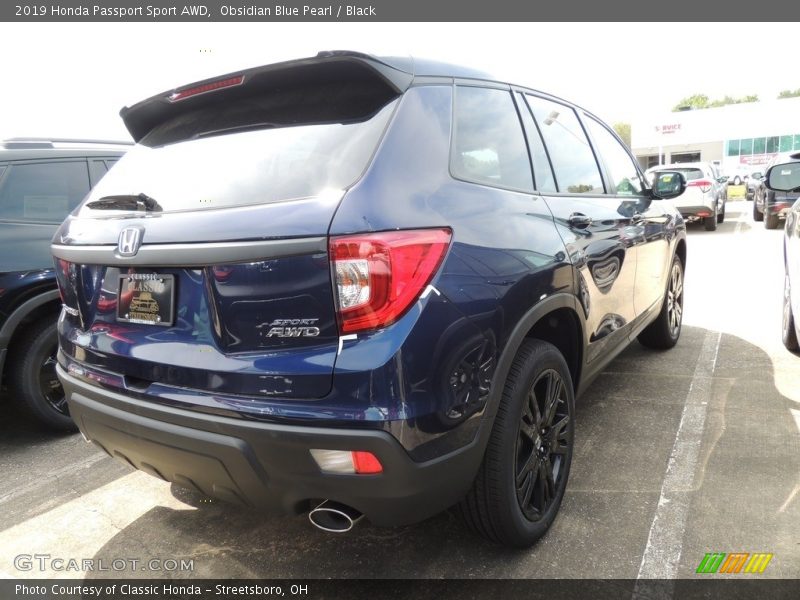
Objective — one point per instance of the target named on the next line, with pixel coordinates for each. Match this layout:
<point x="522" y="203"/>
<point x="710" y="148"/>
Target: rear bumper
<point x="266" y="465"/>
<point x="700" y="211"/>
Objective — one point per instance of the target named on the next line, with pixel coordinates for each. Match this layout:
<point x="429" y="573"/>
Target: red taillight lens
<point x="379" y="276"/>
<point x="703" y="184"/>
<point x="207" y="87"/>
<point x="366" y="463"/>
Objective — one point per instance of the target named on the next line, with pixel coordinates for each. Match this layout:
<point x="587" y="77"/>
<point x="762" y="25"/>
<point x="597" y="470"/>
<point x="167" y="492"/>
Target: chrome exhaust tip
<point x="334" y="517"/>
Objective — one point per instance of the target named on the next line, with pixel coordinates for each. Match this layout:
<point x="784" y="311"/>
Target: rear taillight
<point x="379" y="276"/>
<point x="703" y="184"/>
<point x="347" y="462"/>
<point x="66" y="277"/>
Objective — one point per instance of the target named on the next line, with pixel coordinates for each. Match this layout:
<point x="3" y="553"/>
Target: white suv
<point x="705" y="193"/>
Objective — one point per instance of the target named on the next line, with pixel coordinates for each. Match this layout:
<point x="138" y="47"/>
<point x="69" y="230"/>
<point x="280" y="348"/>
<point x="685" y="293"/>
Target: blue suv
<point x="362" y="286"/>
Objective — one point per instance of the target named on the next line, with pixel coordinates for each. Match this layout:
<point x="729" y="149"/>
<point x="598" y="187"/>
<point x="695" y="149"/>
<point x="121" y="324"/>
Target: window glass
<point x="621" y="168"/>
<point x="796" y="142"/>
<point x="690" y="174"/>
<point x="97" y="168"/>
<point x="759" y="145"/>
<point x="733" y="148"/>
<point x="542" y="172"/>
<point x="488" y="145"/>
<point x="249" y="167"/>
<point x="746" y="147"/>
<point x="573" y="161"/>
<point x="786" y="143"/>
<point x="43" y="192"/>
<point x="773" y="143"/>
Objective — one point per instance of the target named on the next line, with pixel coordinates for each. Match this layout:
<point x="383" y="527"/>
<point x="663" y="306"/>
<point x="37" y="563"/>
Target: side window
<point x="621" y="168"/>
<point x="97" y="168"/>
<point x="43" y="192"/>
<point x="573" y="162"/>
<point x="488" y="144"/>
<point x="542" y="171"/>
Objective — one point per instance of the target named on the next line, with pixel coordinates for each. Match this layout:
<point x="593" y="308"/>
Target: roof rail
<point x="42" y="142"/>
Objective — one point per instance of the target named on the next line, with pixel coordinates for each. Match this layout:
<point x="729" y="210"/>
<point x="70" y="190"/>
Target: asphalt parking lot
<point x="678" y="454"/>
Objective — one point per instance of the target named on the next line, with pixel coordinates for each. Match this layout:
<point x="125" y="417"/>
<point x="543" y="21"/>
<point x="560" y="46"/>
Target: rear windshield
<point x="689" y="174"/>
<point x="267" y="165"/>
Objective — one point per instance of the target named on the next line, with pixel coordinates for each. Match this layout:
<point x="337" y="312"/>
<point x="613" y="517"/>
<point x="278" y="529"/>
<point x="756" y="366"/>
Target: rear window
<point x="690" y="174"/>
<point x="266" y="165"/>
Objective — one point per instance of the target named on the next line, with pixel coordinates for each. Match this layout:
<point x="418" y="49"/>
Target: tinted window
<point x="97" y="168"/>
<point x="43" y="192"/>
<point x="488" y="144"/>
<point x="690" y="174"/>
<point x="621" y="168"/>
<point x="573" y="161"/>
<point x="543" y="179"/>
<point x="252" y="167"/>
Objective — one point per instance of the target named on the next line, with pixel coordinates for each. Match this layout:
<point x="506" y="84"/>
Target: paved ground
<point x="678" y="453"/>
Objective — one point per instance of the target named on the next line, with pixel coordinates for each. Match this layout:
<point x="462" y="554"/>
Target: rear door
<point x="594" y="224"/>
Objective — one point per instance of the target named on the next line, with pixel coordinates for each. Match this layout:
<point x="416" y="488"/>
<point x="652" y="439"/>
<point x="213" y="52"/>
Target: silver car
<point x="705" y="195"/>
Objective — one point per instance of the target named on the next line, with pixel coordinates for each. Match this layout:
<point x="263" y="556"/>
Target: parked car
<point x="369" y="290"/>
<point x="784" y="178"/>
<point x="738" y="175"/>
<point x="40" y="182"/>
<point x="753" y="183"/>
<point x="772" y="206"/>
<point x="705" y="196"/>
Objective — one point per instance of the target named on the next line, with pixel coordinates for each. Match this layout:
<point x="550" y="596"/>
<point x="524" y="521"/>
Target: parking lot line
<point x="665" y="541"/>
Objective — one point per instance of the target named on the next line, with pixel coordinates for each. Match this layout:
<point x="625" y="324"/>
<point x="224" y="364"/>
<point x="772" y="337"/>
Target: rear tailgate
<point x="201" y="261"/>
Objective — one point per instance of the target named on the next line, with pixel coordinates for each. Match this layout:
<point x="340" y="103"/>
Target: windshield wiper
<point x="140" y="202"/>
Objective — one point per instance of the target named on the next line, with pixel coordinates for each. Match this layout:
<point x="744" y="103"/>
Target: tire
<point x="758" y="216"/>
<point x="771" y="221"/>
<point x="32" y="376"/>
<point x="736" y="180"/>
<point x="721" y="216"/>
<point x="710" y="223"/>
<point x="520" y="484"/>
<point x="663" y="333"/>
<point x="788" y="331"/>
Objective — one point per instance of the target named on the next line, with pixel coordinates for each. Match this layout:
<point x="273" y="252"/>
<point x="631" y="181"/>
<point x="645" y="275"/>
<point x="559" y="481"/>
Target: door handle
<point x="579" y="220"/>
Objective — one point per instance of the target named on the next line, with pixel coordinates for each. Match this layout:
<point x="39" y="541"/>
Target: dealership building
<point x="730" y="136"/>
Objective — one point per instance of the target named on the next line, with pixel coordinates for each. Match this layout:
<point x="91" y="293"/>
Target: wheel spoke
<point x="554" y="387"/>
<point x="533" y="405"/>
<point x="525" y="490"/>
<point x="530" y="466"/>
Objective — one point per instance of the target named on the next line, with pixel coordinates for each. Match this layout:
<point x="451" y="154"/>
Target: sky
<point x="71" y="79"/>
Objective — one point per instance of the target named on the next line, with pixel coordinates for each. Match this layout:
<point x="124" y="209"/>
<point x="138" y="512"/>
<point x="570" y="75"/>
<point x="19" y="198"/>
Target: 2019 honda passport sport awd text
<point x="377" y="283"/>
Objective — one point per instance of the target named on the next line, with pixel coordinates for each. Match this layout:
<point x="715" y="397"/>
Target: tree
<point x="789" y="94"/>
<point x="624" y="131"/>
<point x="698" y="101"/>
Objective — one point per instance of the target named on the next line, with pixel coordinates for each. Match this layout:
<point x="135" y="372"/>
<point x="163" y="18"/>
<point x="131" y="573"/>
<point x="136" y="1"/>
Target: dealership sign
<point x="665" y="129"/>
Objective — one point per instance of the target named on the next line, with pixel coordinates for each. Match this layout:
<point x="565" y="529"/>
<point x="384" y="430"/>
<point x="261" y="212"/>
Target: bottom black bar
<point x="408" y="589"/>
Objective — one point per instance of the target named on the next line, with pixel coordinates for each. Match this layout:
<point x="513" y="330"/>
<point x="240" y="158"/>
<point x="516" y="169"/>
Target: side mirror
<point x="722" y="179"/>
<point x="668" y="184"/>
<point x="784" y="178"/>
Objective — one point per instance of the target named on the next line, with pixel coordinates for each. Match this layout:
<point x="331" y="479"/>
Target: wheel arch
<point x="556" y="320"/>
<point x="28" y="312"/>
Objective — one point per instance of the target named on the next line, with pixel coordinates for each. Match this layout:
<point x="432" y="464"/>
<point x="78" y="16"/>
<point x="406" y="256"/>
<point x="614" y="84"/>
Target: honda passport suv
<point x="362" y="286"/>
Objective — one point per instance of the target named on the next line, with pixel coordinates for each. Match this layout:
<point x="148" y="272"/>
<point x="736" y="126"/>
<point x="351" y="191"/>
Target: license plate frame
<point x="146" y="299"/>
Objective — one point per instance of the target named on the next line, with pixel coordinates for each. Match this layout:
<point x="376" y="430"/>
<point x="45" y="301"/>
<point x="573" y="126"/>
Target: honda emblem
<point x="130" y="239"/>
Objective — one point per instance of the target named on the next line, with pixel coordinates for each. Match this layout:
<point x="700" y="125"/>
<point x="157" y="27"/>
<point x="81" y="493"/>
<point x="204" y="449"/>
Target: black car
<point x="362" y="286"/>
<point x="41" y="181"/>
<point x="784" y="178"/>
<point x="771" y="206"/>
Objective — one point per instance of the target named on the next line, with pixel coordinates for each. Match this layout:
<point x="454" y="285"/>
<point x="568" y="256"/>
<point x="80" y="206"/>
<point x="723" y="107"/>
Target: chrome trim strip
<point x="191" y="255"/>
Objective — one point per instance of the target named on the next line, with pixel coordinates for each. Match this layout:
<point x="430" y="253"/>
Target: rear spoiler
<point x="327" y="68"/>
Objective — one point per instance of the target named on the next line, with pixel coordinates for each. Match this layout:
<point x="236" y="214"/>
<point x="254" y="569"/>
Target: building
<point x="731" y="136"/>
